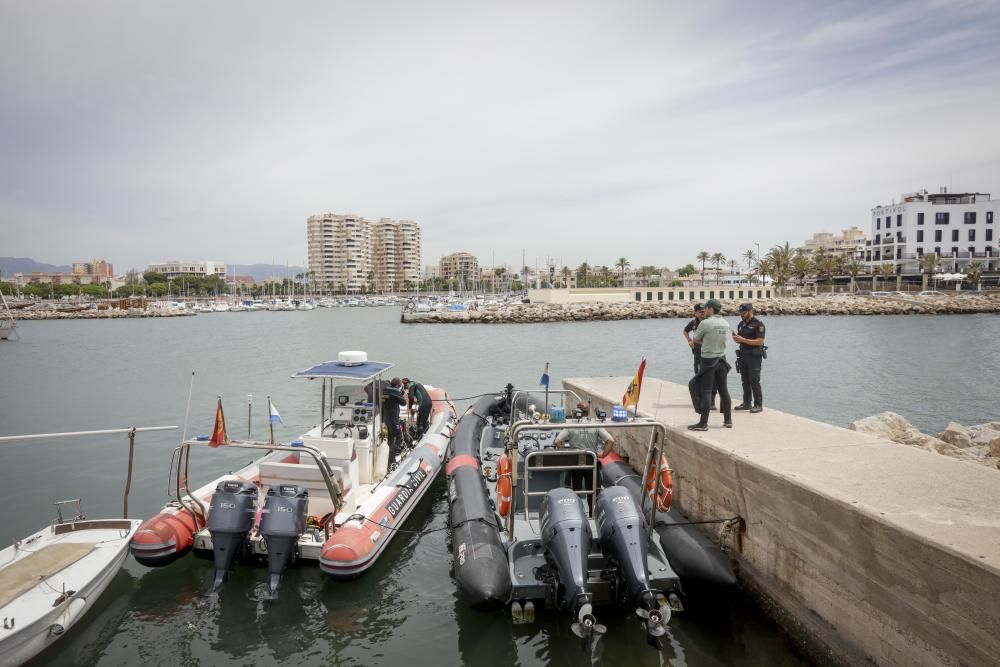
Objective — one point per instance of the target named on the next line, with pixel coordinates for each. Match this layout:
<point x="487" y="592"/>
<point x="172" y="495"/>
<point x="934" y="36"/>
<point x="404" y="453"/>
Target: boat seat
<point x="308" y="476"/>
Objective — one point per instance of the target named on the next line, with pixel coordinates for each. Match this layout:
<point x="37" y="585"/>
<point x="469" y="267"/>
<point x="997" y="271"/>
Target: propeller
<point x="586" y="626"/>
<point x="655" y="621"/>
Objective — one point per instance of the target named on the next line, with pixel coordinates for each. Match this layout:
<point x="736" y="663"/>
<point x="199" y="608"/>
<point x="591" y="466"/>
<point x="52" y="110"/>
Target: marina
<point x="382" y="615"/>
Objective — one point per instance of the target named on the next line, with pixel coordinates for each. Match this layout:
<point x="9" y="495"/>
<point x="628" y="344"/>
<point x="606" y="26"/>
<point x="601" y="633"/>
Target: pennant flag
<point x="545" y="376"/>
<point x="219" y="432"/>
<point x="631" y="396"/>
<point x="275" y="417"/>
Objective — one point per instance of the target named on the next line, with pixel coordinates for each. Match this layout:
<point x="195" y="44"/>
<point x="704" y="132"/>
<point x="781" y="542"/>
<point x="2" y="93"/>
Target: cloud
<point x="575" y="130"/>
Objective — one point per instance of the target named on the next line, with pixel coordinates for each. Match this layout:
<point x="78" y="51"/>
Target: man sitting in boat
<point x="392" y="403"/>
<point x="597" y="440"/>
<point x="419" y="400"/>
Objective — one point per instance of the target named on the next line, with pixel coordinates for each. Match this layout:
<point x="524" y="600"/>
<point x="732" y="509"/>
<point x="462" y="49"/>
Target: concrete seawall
<point x="883" y="554"/>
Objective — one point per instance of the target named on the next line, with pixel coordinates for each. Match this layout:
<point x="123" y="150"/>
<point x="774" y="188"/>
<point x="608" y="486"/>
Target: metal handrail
<point x="658" y="437"/>
<point x="528" y="468"/>
<point x="332" y="485"/>
<point x="558" y="392"/>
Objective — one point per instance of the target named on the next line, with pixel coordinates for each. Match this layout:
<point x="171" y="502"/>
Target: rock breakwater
<point x="843" y="305"/>
<point x="977" y="444"/>
<point x="29" y="314"/>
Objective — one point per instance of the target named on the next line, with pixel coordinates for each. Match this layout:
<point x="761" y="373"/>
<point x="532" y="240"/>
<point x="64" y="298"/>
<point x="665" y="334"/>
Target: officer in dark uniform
<point x="750" y="335"/>
<point x="695" y="345"/>
<point x="392" y="403"/>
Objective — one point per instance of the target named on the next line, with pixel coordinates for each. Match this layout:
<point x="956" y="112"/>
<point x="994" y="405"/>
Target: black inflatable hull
<point x="480" y="562"/>
<point x="694" y="557"/>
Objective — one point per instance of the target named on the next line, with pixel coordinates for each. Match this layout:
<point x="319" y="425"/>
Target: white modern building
<point x="959" y="228"/>
<point x="350" y="254"/>
<point x="173" y="269"/>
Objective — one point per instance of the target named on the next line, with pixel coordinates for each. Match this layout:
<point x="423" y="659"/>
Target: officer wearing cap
<point x="712" y="333"/>
<point x="695" y="345"/>
<point x="750" y="335"/>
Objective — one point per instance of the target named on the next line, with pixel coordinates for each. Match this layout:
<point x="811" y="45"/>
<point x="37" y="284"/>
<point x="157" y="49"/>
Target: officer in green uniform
<point x="750" y="336"/>
<point x="712" y="332"/>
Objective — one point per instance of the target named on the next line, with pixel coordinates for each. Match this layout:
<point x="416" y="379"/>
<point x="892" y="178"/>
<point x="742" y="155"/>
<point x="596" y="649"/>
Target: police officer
<point x="699" y="314"/>
<point x="750" y="335"/>
<point x="392" y="403"/>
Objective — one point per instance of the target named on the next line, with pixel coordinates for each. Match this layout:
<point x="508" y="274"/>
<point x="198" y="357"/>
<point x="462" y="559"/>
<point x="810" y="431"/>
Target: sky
<point x="571" y="131"/>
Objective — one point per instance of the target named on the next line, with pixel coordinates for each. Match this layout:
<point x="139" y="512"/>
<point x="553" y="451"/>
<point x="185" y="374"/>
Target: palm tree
<point x="566" y="273"/>
<point x="928" y="265"/>
<point x="749" y="256"/>
<point x="780" y="258"/>
<point x="887" y="269"/>
<point x="581" y="275"/>
<point x="733" y="264"/>
<point x="622" y="263"/>
<point x="974" y="274"/>
<point x="854" y="267"/>
<point x="703" y="257"/>
<point x="800" y="268"/>
<point x="717" y="260"/>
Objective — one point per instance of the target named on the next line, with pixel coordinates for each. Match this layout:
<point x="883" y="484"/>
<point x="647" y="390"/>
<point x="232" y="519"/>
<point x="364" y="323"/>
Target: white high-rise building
<point x="960" y="228"/>
<point x="174" y="268"/>
<point x="351" y="255"/>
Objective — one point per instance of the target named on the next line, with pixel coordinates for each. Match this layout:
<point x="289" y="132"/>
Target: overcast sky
<point x="149" y="131"/>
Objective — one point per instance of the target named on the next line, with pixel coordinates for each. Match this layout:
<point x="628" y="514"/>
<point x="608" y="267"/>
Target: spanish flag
<point x="631" y="396"/>
<point x="219" y="432"/>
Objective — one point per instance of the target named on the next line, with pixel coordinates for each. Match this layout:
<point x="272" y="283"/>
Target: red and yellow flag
<point x="219" y="432"/>
<point x="631" y="396"/>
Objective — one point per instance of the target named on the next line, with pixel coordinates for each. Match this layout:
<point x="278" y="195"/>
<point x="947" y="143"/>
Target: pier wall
<point x="879" y="553"/>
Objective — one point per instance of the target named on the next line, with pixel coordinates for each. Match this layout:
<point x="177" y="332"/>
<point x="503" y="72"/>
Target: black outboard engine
<point x="625" y="537"/>
<point x="230" y="518"/>
<point x="566" y="539"/>
<point x="282" y="523"/>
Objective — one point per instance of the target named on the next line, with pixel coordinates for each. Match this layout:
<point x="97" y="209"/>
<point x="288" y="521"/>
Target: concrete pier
<point x="883" y="554"/>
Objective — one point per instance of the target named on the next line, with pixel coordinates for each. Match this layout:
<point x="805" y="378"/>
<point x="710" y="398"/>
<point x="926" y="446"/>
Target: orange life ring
<point x="503" y="486"/>
<point x="666" y="495"/>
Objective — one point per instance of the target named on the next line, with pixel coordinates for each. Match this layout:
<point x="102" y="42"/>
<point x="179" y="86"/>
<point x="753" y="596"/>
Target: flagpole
<point x="548" y="380"/>
<point x="270" y="422"/>
<point x="249" y="406"/>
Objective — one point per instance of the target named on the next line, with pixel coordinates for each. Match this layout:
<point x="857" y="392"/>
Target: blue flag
<point x="275" y="417"/>
<point x="545" y="376"/>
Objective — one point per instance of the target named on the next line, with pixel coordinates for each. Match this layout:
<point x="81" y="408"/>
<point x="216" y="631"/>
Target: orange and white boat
<point x="330" y="497"/>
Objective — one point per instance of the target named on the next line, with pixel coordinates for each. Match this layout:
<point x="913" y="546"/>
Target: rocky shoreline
<point x="977" y="444"/>
<point x="635" y="310"/>
<point x="27" y="314"/>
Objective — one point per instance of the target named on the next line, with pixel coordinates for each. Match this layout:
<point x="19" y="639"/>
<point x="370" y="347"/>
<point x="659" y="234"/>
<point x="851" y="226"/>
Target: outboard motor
<point x="230" y="518"/>
<point x="282" y="523"/>
<point x="566" y="539"/>
<point x="625" y="537"/>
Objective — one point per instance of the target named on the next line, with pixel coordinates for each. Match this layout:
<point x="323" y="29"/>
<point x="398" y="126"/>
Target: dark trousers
<point x="750" y="374"/>
<point x="395" y="438"/>
<point x="711" y="377"/>
<point x="697" y="365"/>
<point x="423" y="418"/>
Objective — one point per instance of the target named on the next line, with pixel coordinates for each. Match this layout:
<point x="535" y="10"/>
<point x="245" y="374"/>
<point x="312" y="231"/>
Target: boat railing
<point x="655" y="448"/>
<point x="559" y="453"/>
<point x="529" y="394"/>
<point x="331" y="482"/>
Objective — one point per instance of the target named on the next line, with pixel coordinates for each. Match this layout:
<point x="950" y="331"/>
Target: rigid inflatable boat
<point x="331" y="497"/>
<point x="536" y="525"/>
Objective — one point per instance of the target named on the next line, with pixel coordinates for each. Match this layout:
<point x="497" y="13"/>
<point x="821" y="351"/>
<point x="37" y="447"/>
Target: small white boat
<point x="50" y="579"/>
<point x="8" y="325"/>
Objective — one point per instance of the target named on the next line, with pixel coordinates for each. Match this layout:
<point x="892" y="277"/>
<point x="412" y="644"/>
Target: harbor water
<point x="97" y="374"/>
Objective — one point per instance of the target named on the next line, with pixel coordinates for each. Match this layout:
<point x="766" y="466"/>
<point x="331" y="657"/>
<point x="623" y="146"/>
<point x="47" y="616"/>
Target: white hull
<point x="37" y="617"/>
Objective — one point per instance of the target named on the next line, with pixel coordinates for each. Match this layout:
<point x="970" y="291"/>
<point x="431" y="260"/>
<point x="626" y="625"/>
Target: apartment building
<point x="98" y="267"/>
<point x="960" y="228"/>
<point x="850" y="243"/>
<point x="460" y="266"/>
<point x="351" y="255"/>
<point x="175" y="269"/>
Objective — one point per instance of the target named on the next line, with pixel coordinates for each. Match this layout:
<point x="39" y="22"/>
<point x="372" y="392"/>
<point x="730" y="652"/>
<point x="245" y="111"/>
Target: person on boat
<point x="420" y="400"/>
<point x="597" y="440"/>
<point x="392" y="403"/>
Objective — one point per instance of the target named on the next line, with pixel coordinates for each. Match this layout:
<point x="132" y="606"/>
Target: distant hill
<point x="263" y="271"/>
<point x="11" y="265"/>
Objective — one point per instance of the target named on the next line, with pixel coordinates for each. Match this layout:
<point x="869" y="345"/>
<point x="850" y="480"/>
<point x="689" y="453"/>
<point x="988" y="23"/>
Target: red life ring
<point x="504" y="486"/>
<point x="666" y="495"/>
